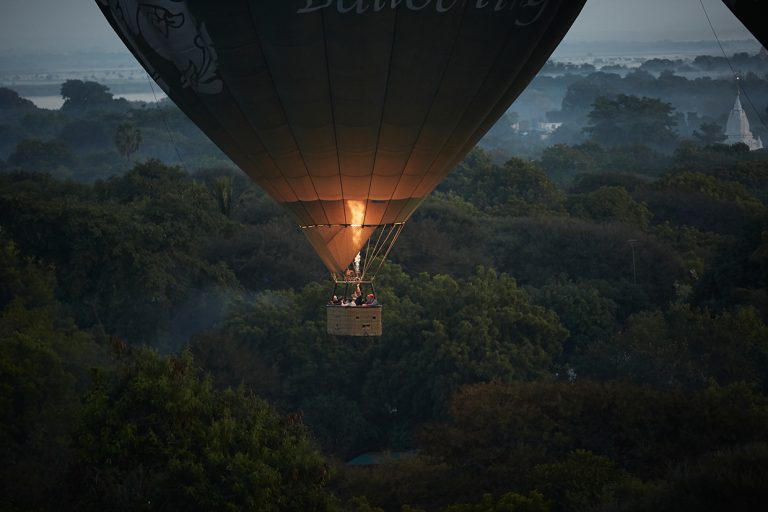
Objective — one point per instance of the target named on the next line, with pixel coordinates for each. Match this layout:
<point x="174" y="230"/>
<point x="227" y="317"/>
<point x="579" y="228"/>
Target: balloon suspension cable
<point x="735" y="74"/>
<point x="367" y="249"/>
<point x="397" y="230"/>
<point x="374" y="256"/>
<point x="390" y="236"/>
<point x="165" y="122"/>
<point x="376" y="248"/>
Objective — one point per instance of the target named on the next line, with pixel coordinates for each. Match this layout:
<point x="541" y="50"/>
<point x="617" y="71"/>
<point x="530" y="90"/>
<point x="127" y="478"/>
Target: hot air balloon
<point x="346" y="112"/>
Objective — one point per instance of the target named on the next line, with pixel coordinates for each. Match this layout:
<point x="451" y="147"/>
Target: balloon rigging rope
<point x="165" y="123"/>
<point x="367" y="251"/>
<point x="389" y="241"/>
<point x="733" y="71"/>
<point x="397" y="232"/>
<point x="376" y="249"/>
<point x="385" y="240"/>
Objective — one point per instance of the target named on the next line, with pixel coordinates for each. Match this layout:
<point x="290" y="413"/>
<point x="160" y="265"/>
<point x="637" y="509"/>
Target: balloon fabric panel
<point x="347" y="112"/>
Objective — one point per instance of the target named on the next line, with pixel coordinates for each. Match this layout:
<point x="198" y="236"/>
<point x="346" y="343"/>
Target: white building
<point x="737" y="128"/>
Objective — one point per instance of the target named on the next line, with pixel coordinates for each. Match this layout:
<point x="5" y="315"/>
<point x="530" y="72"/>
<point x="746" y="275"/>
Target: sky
<point x="72" y="25"/>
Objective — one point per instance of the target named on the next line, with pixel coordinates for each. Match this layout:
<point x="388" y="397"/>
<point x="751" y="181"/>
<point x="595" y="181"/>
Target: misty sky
<point x="69" y="25"/>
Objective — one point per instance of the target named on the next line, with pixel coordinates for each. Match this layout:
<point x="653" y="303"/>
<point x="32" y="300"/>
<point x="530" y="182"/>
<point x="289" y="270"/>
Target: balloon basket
<point x="354" y="321"/>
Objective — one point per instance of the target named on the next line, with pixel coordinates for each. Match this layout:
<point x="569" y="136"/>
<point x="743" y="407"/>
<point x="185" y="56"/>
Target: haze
<point x="74" y="25"/>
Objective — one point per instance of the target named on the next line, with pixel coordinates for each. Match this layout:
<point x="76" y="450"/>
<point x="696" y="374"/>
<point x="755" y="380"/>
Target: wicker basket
<point x="354" y="321"/>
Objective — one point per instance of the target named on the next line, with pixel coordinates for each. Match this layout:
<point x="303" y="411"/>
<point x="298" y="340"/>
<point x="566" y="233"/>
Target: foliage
<point x="580" y="481"/>
<point x="538" y="249"/>
<point x="702" y="202"/>
<point x="710" y="134"/>
<point x="738" y="276"/>
<point x="563" y="163"/>
<point x="127" y="139"/>
<point x="270" y="255"/>
<point x="712" y="187"/>
<point x="42" y="124"/>
<point x="581" y="95"/>
<point x="129" y="262"/>
<point x="609" y="204"/>
<point x="498" y="431"/>
<point x="478" y="329"/>
<point x="581" y="308"/>
<point x="44" y="361"/>
<point x="84" y="134"/>
<point x="728" y="479"/>
<point x="412" y="480"/>
<point x="629" y="119"/>
<point x="79" y="94"/>
<point x="509" y="502"/>
<point x="155" y="436"/>
<point x="591" y="182"/>
<point x="41" y="156"/>
<point x="428" y="243"/>
<point x="685" y="347"/>
<point x="516" y="188"/>
<point x="199" y="257"/>
<point x="12" y="106"/>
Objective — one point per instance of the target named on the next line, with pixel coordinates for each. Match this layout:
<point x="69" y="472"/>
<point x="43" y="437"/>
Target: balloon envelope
<point x="347" y="112"/>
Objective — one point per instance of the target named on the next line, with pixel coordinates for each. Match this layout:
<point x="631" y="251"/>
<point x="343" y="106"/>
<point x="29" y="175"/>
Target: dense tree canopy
<point x="159" y="437"/>
<point x="623" y="119"/>
<point x="582" y="327"/>
<point x="44" y="360"/>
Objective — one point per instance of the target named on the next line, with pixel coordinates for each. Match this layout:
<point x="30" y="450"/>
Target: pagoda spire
<point x="737" y="128"/>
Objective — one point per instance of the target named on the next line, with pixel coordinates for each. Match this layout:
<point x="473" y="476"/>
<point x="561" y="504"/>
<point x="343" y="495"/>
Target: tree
<point x="711" y="133"/>
<point x="127" y="139"/>
<point x="474" y="330"/>
<point x="78" y="94"/>
<point x="581" y="94"/>
<point x="44" y="363"/>
<point x="430" y="244"/>
<point x="515" y="188"/>
<point x="36" y="155"/>
<point x="536" y="250"/>
<point x="638" y="159"/>
<point x="43" y="124"/>
<point x="476" y="162"/>
<point x="580" y="481"/>
<point x="13" y="106"/>
<point x="722" y="481"/>
<point x="521" y="189"/>
<point x="739" y="274"/>
<point x="592" y="182"/>
<point x="508" y="502"/>
<point x="127" y="251"/>
<point x="563" y="163"/>
<point x="623" y="119"/>
<point x="10" y="99"/>
<point x="499" y="431"/>
<point x="227" y="186"/>
<point x="156" y="436"/>
<point x="684" y="347"/>
<point x="711" y="186"/>
<point x="609" y="204"/>
<point x="588" y="316"/>
<point x="221" y="190"/>
<point x="84" y="134"/>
